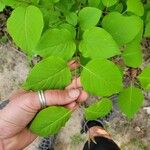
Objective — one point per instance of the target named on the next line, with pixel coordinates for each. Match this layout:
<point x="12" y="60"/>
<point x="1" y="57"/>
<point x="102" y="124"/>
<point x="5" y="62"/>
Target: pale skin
<point x="23" y="107"/>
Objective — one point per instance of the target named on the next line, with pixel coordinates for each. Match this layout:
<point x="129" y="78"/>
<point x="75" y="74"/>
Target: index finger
<point x="76" y="83"/>
<point x="73" y="64"/>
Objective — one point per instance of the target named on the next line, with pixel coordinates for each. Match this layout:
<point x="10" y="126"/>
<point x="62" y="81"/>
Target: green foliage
<point x="97" y="43"/>
<point x="130" y="100"/>
<point x="119" y="7"/>
<point x="47" y="75"/>
<point x="136" y="7"/>
<point x="72" y="18"/>
<point x="25" y="30"/>
<point x="16" y="3"/>
<point x="50" y="120"/>
<point x="89" y="17"/>
<point x="2" y="6"/>
<point x="109" y="3"/>
<point x="144" y="78"/>
<point x="62" y="44"/>
<point x="101" y="77"/>
<point x="123" y="28"/>
<point x="103" y="36"/>
<point x="147" y="25"/>
<point x="96" y="3"/>
<point x="99" y="109"/>
<point x="133" y="50"/>
<point x="147" y="30"/>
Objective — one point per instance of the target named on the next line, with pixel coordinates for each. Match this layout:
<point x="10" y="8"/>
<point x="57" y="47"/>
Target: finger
<point x="83" y="96"/>
<point x="73" y="64"/>
<point x="61" y="97"/>
<point x="25" y="136"/>
<point x="76" y="83"/>
<point x="71" y="106"/>
<point x="56" y="97"/>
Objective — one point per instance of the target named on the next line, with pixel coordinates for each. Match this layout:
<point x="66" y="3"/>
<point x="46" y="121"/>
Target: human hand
<point x="23" y="107"/>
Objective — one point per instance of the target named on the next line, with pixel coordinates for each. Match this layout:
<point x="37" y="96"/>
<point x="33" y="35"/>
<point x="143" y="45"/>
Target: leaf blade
<point x="122" y="28"/>
<point x="133" y="50"/>
<point x="56" y="42"/>
<point x="101" y="77"/>
<point x="50" y="120"/>
<point x="89" y="17"/>
<point x="130" y="100"/>
<point x="135" y="6"/>
<point x="54" y="74"/>
<point x="109" y="3"/>
<point x="97" y="43"/>
<point x="2" y="6"/>
<point x="25" y="26"/>
<point x="144" y="78"/>
<point x="98" y="109"/>
<point x="72" y="18"/>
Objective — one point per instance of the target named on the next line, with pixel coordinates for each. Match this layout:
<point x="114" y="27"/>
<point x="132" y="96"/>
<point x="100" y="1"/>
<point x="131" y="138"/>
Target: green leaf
<point x="147" y="25"/>
<point x="72" y="18"/>
<point x="89" y="17"/>
<point x="147" y="5"/>
<point x="118" y="7"/>
<point x="96" y="3"/>
<point x="54" y="1"/>
<point x="25" y="26"/>
<point x="55" y="42"/>
<point x="47" y="3"/>
<point x="98" y="43"/>
<point x="132" y="55"/>
<point x="147" y="30"/>
<point x="109" y="3"/>
<point x="101" y="77"/>
<point x="65" y="5"/>
<point x="53" y="18"/>
<point x="35" y="1"/>
<point x="133" y="50"/>
<point x="46" y="16"/>
<point x="147" y="18"/>
<point x="69" y="27"/>
<point x="99" y="109"/>
<point x="136" y="7"/>
<point x="144" y="78"/>
<point x="50" y="73"/>
<point x="130" y="100"/>
<point x="123" y="28"/>
<point x="50" y="120"/>
<point x="2" y="6"/>
<point x="84" y="60"/>
<point x="15" y="3"/>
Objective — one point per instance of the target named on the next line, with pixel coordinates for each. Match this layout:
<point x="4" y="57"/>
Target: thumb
<point x="55" y="97"/>
<point x="61" y="97"/>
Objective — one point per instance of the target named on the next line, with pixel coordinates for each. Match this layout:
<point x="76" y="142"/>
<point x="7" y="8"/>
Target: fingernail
<point x="74" y="93"/>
